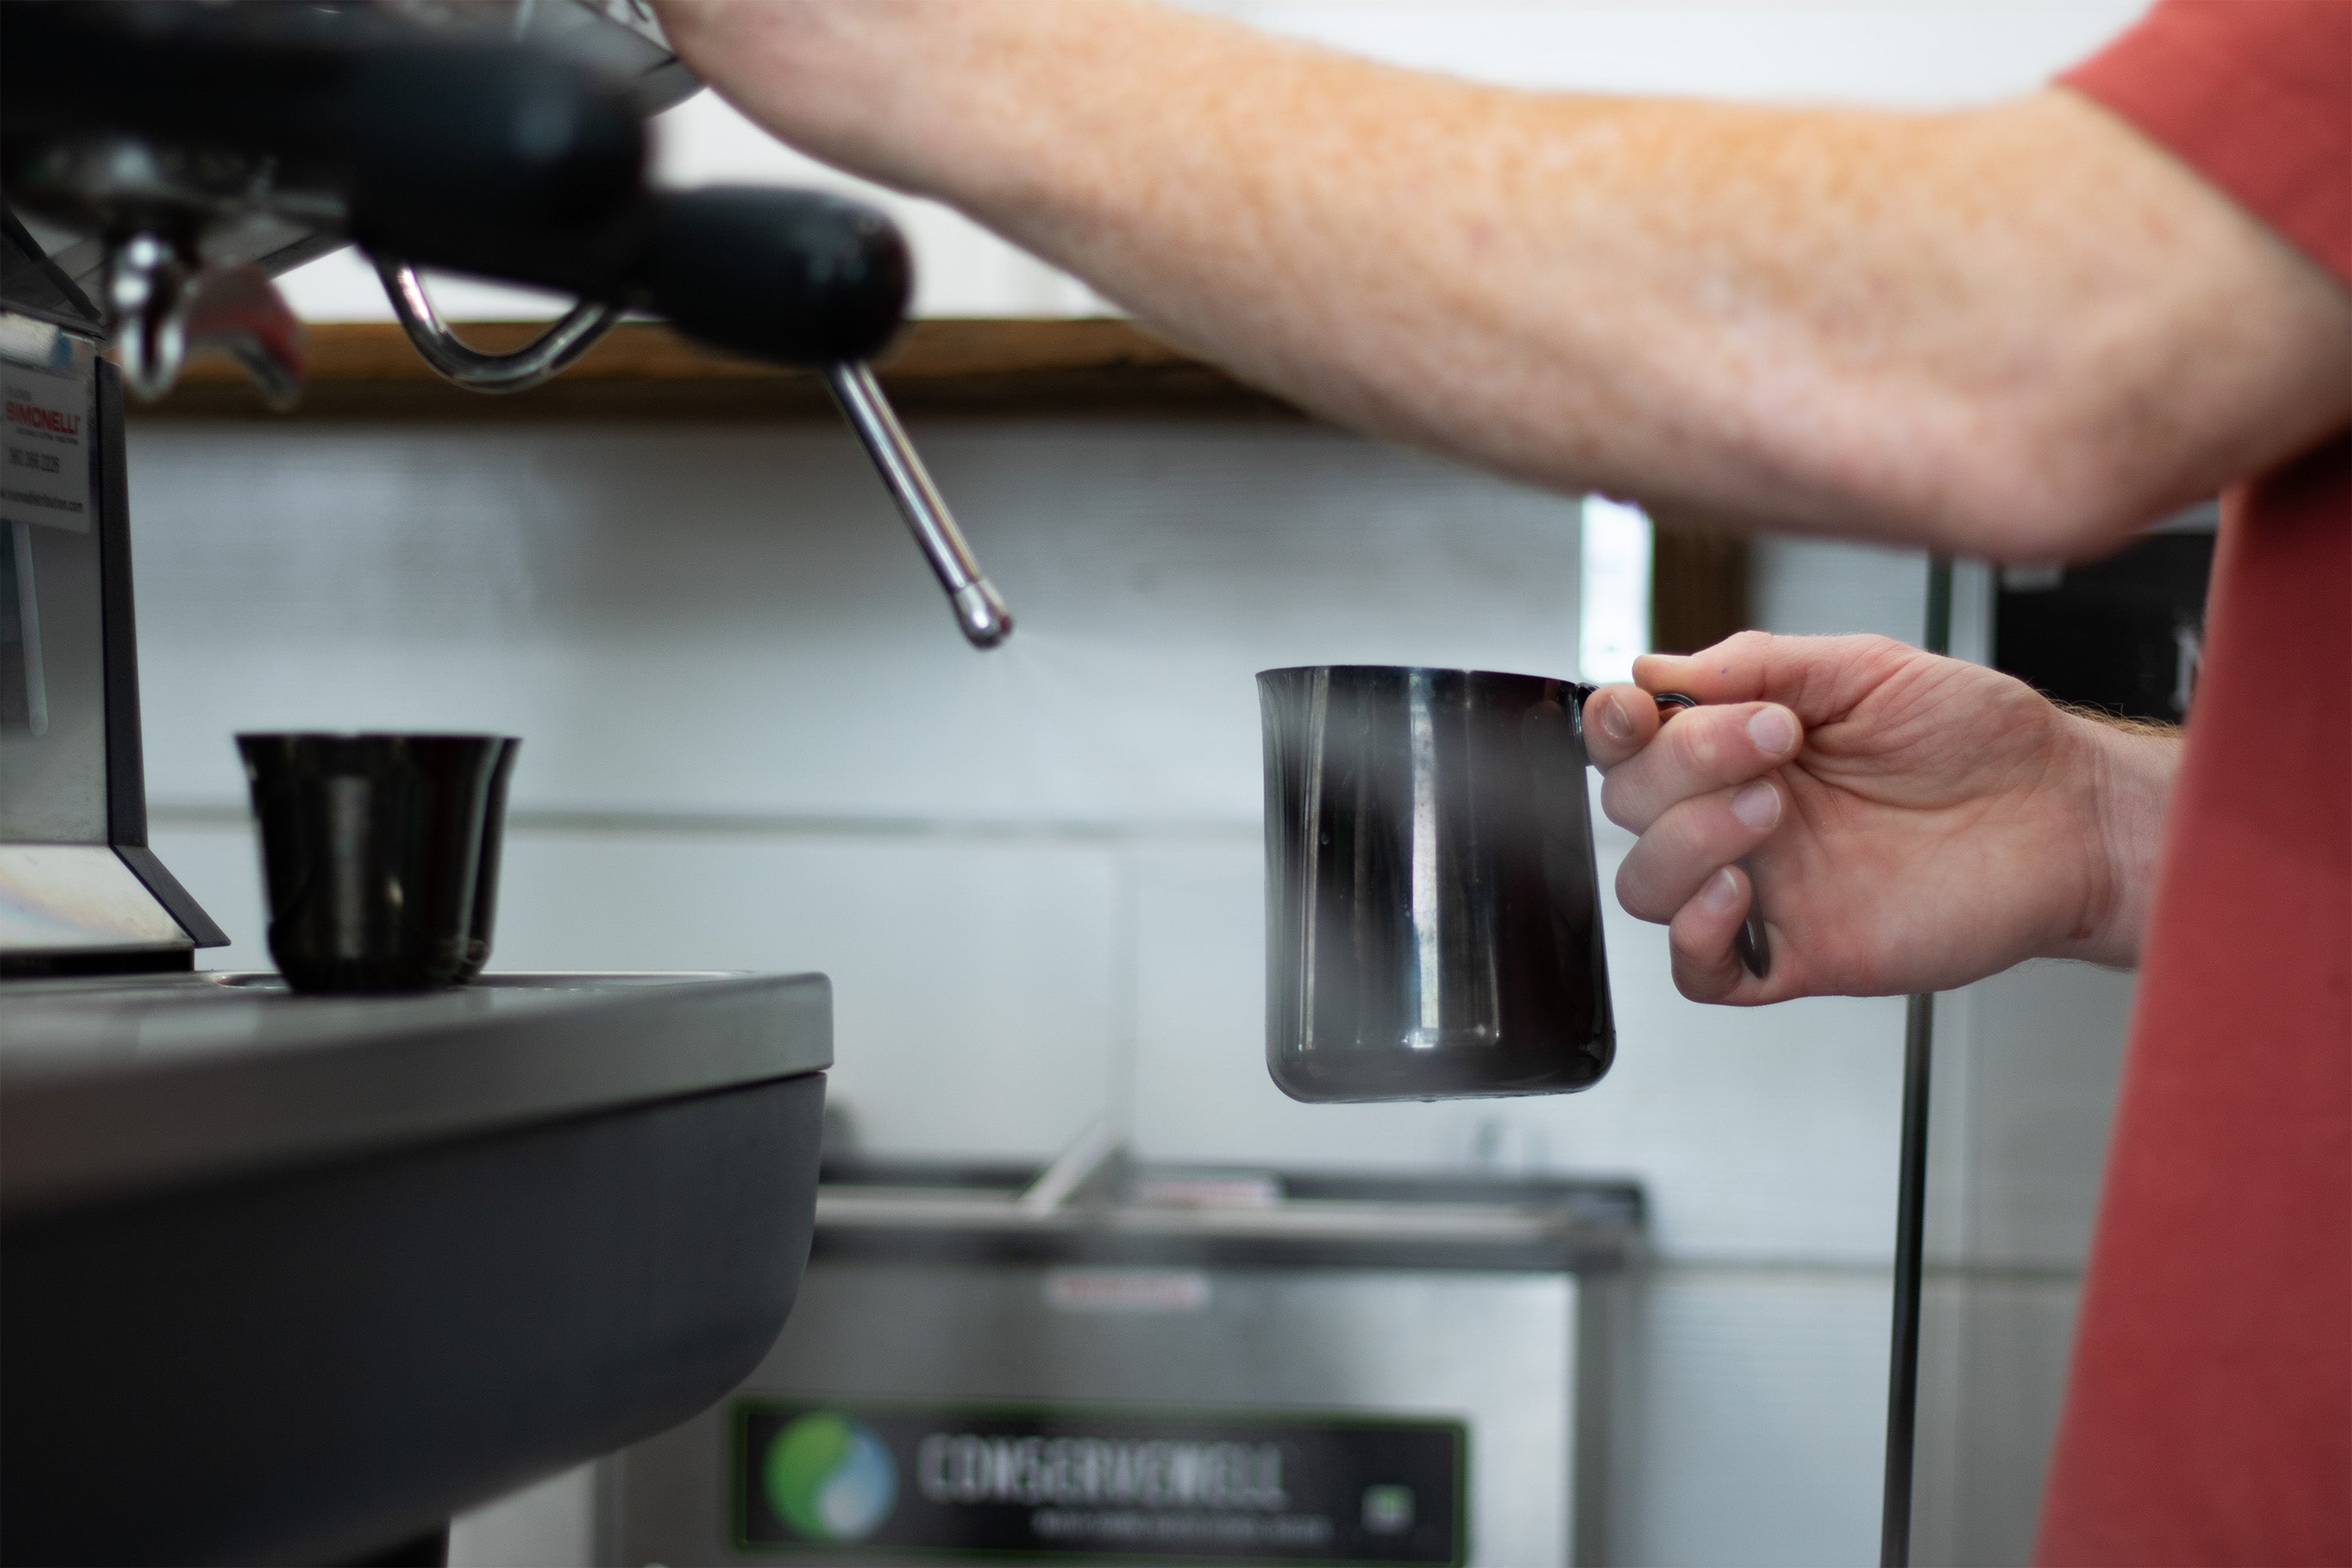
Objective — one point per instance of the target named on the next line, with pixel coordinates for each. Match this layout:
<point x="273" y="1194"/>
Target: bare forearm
<point x="1870" y="324"/>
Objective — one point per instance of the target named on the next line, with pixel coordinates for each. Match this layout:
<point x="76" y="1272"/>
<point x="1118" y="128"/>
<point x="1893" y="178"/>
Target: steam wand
<point x="979" y="611"/>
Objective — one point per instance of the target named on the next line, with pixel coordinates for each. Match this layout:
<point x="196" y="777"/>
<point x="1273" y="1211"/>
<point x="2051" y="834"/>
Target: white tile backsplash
<point x="972" y="982"/>
<point x="1749" y="1407"/>
<point x="734" y="621"/>
<point x="1818" y="587"/>
<point x="2046" y="1053"/>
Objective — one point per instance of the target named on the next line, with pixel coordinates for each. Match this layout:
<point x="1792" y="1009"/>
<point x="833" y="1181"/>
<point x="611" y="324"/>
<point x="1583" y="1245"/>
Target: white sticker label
<point x="45" y="458"/>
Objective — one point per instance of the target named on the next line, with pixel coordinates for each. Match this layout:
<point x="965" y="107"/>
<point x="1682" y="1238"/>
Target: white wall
<point x="753" y="741"/>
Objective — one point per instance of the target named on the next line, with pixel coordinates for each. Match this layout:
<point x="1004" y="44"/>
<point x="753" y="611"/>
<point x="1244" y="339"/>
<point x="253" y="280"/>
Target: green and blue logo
<point x="830" y="1478"/>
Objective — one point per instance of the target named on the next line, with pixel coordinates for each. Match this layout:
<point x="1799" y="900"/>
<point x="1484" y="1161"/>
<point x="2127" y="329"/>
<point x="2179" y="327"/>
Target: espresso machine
<point x="294" y="1279"/>
<point x="162" y="160"/>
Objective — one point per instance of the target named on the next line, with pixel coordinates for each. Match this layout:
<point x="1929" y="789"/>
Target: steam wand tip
<point x="981" y="612"/>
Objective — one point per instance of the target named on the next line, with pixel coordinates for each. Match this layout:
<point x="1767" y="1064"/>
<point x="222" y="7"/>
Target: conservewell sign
<point x="843" y="1479"/>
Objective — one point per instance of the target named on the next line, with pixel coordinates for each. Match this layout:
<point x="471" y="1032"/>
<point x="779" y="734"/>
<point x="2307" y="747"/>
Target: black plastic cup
<point x="486" y="878"/>
<point x="372" y="855"/>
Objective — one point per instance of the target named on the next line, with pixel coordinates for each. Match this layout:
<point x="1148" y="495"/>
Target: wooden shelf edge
<point x="643" y="371"/>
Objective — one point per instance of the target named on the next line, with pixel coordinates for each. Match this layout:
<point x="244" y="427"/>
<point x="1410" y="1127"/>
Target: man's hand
<point x="1912" y="822"/>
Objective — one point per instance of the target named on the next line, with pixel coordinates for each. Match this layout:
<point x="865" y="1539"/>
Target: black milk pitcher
<point x="1433" y="913"/>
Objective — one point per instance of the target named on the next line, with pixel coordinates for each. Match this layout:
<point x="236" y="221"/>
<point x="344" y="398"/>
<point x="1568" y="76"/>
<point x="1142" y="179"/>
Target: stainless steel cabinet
<point x="968" y="1374"/>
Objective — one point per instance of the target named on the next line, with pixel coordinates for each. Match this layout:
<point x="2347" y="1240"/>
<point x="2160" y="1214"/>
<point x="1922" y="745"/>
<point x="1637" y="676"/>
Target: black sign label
<point x="846" y="1478"/>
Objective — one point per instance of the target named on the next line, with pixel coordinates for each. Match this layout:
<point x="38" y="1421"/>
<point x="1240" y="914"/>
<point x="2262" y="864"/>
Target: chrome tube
<point x="518" y="371"/>
<point x="980" y="611"/>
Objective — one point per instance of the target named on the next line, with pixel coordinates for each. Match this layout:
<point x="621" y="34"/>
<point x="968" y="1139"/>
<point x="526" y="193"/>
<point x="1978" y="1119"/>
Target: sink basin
<point x="290" y="1280"/>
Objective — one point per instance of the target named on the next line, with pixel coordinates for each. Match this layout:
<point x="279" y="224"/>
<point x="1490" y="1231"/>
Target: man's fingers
<point x="1737" y="669"/>
<point x="1619" y="721"/>
<point x="1670" y="864"/>
<point x="1703" y="751"/>
<point x="1699" y="942"/>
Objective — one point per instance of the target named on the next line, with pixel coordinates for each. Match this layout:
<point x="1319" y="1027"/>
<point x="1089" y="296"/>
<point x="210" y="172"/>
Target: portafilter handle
<point x="979" y="611"/>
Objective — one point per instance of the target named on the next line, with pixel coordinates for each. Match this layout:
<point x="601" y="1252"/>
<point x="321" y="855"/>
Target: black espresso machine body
<point x="289" y="1278"/>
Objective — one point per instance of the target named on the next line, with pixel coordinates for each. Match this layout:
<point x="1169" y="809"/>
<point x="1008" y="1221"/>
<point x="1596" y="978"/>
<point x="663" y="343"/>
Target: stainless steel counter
<point x="110" y="1086"/>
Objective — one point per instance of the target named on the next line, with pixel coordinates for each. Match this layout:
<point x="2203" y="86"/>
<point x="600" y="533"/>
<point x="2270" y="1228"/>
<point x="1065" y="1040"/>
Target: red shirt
<point x="2209" y="1416"/>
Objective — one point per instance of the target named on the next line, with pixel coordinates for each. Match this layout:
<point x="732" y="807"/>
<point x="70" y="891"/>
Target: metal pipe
<point x="518" y="371"/>
<point x="1910" y="1225"/>
<point x="979" y="610"/>
<point x="1911" y="1201"/>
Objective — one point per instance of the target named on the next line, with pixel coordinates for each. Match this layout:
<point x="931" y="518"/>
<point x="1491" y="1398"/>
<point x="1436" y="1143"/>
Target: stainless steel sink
<point x="288" y="1280"/>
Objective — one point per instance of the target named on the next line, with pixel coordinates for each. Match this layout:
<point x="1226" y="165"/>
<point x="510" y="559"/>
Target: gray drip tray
<point x="288" y="1279"/>
<point x="112" y="1085"/>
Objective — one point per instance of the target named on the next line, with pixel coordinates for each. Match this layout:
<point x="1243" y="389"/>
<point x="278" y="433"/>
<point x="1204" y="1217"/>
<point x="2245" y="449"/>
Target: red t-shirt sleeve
<point x="2253" y="95"/>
